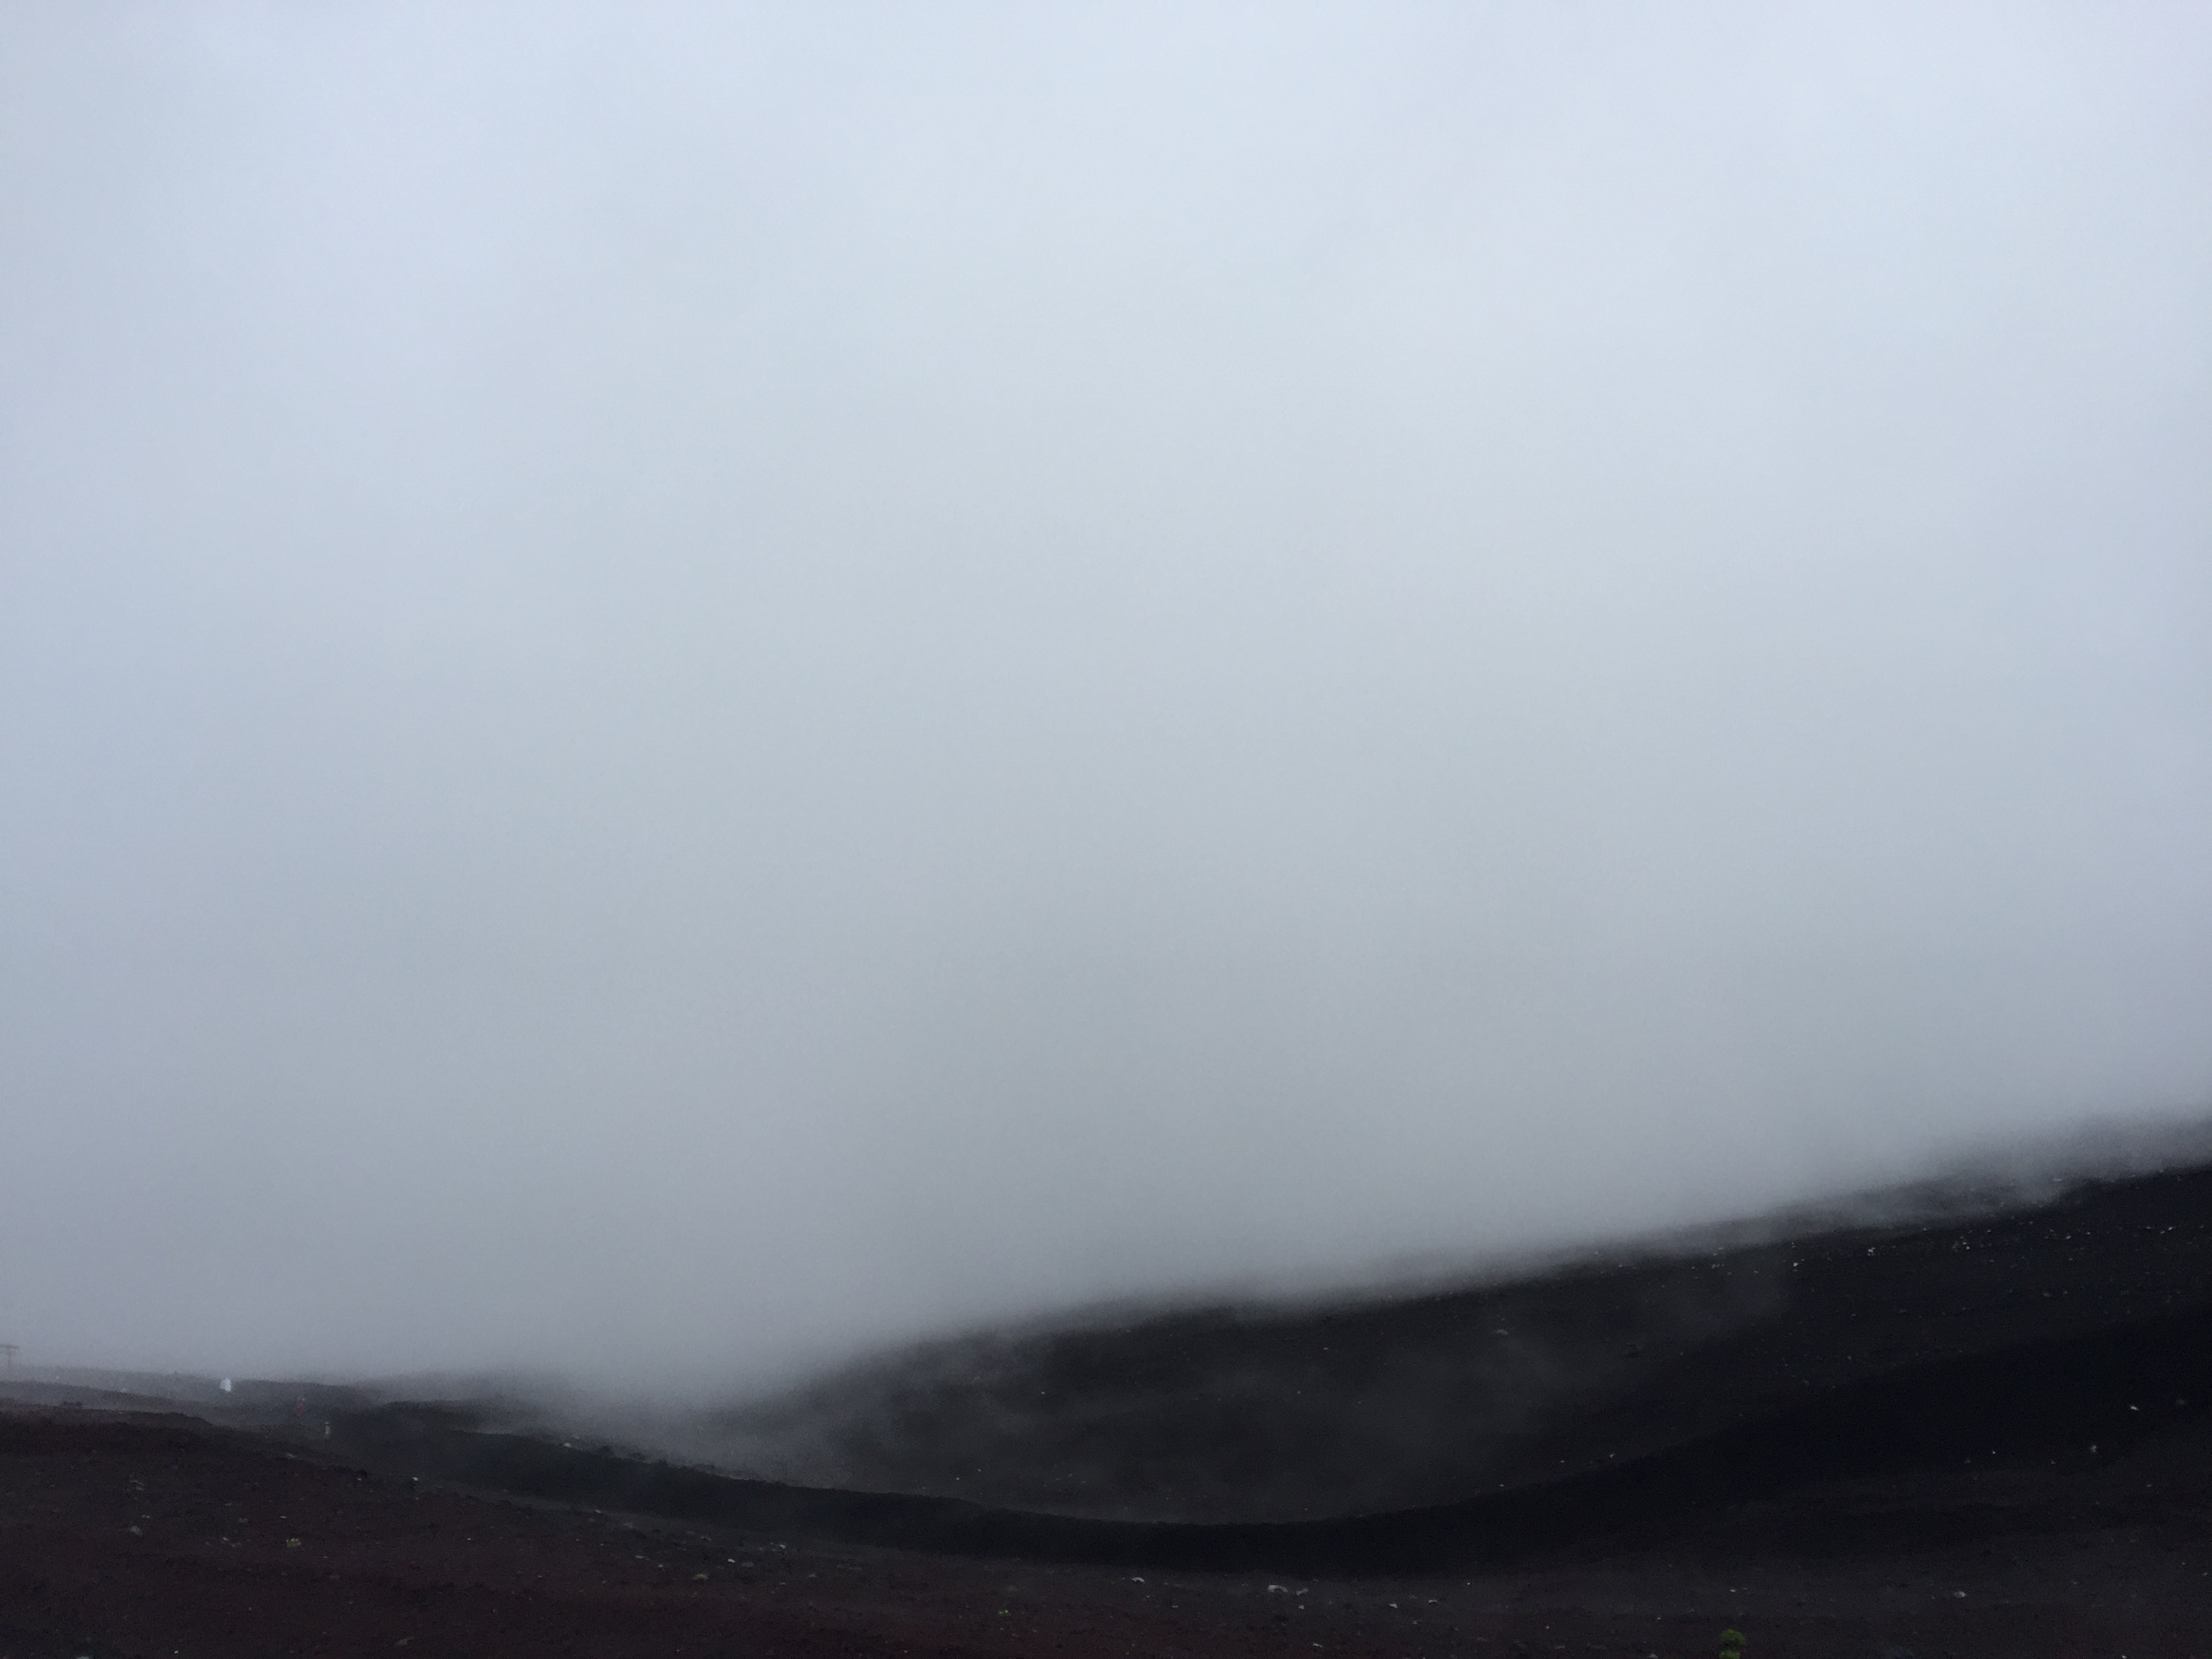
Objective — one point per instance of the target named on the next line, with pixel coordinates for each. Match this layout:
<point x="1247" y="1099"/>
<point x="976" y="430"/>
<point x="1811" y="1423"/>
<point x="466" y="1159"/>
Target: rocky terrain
<point x="1979" y="1433"/>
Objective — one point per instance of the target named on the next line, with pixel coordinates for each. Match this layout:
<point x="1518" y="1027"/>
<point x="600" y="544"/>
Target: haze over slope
<point x="682" y="691"/>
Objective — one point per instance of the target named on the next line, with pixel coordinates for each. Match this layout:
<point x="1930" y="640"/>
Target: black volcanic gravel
<point x="1987" y="1436"/>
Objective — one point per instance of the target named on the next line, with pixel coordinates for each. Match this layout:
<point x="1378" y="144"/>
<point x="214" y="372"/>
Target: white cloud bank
<point x="680" y="688"/>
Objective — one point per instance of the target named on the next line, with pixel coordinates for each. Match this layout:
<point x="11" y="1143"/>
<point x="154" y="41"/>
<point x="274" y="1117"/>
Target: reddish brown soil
<point x="383" y="1568"/>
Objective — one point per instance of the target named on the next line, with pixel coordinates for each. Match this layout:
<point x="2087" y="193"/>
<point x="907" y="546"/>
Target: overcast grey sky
<point x="680" y="687"/>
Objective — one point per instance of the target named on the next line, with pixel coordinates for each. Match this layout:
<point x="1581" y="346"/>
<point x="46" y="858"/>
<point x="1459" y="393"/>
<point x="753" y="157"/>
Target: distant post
<point x="7" y="1353"/>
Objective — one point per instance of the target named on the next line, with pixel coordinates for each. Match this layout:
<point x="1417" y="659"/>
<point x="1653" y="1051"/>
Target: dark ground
<point x="1986" y="1436"/>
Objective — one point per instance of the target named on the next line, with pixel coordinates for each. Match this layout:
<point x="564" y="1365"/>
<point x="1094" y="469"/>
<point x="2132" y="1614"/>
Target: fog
<point x="685" y="689"/>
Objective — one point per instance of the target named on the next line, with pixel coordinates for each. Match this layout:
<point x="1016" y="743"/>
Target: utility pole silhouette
<point x="7" y="1352"/>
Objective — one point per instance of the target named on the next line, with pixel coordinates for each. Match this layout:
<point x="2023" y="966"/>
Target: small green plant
<point x="1731" y="1644"/>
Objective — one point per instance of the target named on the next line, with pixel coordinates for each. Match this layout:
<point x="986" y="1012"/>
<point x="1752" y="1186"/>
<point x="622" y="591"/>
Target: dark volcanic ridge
<point x="2043" y="1368"/>
<point x="1261" y="1414"/>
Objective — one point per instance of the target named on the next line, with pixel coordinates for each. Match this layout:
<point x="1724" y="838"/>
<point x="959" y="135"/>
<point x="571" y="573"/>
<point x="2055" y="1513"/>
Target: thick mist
<point x="683" y="688"/>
